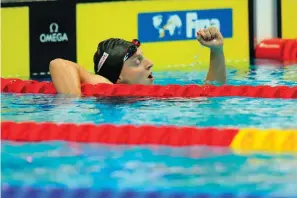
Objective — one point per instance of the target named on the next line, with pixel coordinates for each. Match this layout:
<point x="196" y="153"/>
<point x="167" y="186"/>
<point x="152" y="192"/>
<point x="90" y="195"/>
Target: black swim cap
<point x="109" y="57"/>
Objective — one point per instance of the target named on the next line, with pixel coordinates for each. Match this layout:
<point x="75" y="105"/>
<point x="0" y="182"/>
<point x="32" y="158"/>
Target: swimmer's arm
<point x="213" y="39"/>
<point x="68" y="76"/>
<point x="217" y="67"/>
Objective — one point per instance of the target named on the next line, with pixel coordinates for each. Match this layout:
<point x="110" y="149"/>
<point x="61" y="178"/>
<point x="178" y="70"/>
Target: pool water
<point x="255" y="75"/>
<point x="186" y="169"/>
<point x="202" y="112"/>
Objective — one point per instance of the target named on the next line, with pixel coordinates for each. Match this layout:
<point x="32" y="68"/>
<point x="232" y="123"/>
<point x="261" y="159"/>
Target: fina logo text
<point x="174" y="24"/>
<point x="193" y="23"/>
<point x="54" y="35"/>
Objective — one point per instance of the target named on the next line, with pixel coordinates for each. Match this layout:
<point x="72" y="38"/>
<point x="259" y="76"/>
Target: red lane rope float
<point x="113" y="134"/>
<point x="187" y="91"/>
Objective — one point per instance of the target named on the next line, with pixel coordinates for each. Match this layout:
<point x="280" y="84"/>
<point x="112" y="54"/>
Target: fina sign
<point x="54" y="35"/>
<point x="182" y="25"/>
<point x="193" y="23"/>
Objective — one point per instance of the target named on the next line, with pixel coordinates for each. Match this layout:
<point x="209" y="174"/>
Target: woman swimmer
<point x="120" y="61"/>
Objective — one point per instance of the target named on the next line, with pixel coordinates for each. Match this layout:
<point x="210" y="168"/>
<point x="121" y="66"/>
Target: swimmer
<point x="120" y="61"/>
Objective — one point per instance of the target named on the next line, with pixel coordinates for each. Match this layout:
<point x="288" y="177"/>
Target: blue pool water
<point x="187" y="170"/>
<point x="216" y="112"/>
<point x="255" y="75"/>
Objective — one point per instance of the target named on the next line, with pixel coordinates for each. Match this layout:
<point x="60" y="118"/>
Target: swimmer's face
<point x="137" y="70"/>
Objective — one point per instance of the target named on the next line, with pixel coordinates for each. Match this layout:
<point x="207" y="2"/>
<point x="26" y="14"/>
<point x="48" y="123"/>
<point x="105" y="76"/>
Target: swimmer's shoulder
<point x="96" y="79"/>
<point x="89" y="78"/>
<point x="60" y="67"/>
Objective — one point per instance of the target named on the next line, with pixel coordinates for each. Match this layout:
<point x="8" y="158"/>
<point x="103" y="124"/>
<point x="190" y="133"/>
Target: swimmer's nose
<point x="149" y="65"/>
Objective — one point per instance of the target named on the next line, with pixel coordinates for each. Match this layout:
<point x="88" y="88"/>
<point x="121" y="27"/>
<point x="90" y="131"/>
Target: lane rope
<point x="246" y="140"/>
<point x="116" y="134"/>
<point x="12" y="85"/>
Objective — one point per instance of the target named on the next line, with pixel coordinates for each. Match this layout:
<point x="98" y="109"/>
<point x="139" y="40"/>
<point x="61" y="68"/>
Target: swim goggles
<point x="132" y="49"/>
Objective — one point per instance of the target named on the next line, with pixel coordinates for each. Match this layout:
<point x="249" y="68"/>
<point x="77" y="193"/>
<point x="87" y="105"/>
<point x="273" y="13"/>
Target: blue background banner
<point x="182" y="25"/>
